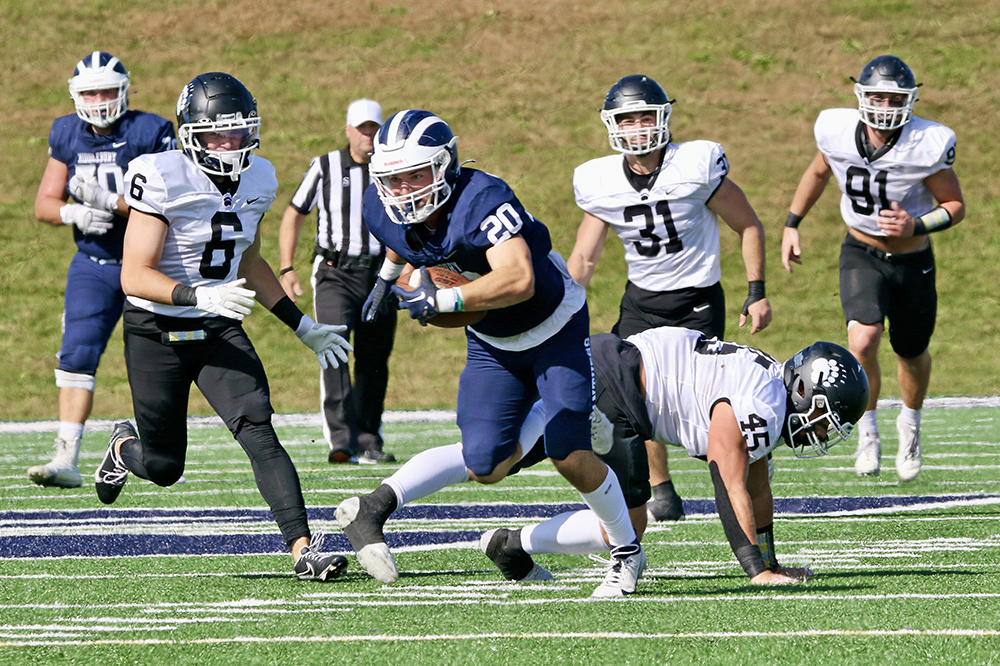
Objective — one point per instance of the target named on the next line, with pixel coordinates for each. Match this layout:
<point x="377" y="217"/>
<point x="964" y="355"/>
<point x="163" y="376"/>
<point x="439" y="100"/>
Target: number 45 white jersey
<point x="922" y="149"/>
<point x="687" y="374"/>
<point x="671" y="237"/>
<point x="207" y="231"/>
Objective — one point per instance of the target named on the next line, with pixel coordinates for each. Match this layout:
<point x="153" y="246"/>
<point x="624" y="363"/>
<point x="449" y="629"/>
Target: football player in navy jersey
<point x="88" y="154"/>
<point x="532" y="343"/>
<point x="663" y="199"/>
<point x="897" y="186"/>
<point x="193" y="242"/>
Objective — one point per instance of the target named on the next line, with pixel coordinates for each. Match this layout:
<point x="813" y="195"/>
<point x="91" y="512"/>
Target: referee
<point x="345" y="266"/>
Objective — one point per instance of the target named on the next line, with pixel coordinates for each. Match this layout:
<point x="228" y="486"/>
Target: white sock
<point x="868" y="424"/>
<point x="910" y="417"/>
<point x="428" y="472"/>
<point x="570" y="533"/>
<point x="609" y="505"/>
<point x="71" y="433"/>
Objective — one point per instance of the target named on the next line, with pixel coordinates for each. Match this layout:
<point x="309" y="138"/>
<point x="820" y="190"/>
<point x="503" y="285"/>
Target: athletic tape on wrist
<point x="938" y="219"/>
<point x="747" y="553"/>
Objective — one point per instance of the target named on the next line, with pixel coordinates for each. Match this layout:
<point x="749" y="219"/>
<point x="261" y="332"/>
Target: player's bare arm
<point x="946" y="190"/>
<point x="511" y="279"/>
<point x="587" y="251"/>
<point x="259" y="276"/>
<point x="807" y="193"/>
<point x="731" y="204"/>
<point x="288" y="238"/>
<point x="144" y="238"/>
<point x="51" y="194"/>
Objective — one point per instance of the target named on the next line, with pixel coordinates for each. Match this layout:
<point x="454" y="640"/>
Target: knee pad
<point x="164" y="472"/>
<point x="75" y="380"/>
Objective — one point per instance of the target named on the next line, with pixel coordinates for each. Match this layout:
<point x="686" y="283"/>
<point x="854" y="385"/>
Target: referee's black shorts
<point x="875" y="285"/>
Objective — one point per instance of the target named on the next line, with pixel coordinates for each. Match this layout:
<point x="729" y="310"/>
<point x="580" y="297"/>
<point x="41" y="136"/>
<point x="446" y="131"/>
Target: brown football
<point x="443" y="278"/>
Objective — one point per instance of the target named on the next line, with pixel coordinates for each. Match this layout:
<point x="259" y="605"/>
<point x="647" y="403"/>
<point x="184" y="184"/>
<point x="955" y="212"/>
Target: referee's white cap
<point x="362" y="111"/>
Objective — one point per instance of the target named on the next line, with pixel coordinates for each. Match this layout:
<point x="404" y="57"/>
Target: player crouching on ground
<point x="193" y="241"/>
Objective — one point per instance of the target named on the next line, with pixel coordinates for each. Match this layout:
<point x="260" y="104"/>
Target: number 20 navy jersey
<point x="106" y="158"/>
<point x="481" y="212"/>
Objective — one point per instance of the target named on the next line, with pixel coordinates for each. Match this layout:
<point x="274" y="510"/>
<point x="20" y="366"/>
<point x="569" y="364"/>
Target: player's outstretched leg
<point x="362" y="519"/>
<point x="503" y="546"/>
<point x="110" y="477"/>
<point x="63" y="471"/>
<point x="624" y="569"/>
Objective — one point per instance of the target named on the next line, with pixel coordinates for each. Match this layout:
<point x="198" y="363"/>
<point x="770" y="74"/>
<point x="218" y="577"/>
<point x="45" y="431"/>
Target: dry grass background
<point x="521" y="83"/>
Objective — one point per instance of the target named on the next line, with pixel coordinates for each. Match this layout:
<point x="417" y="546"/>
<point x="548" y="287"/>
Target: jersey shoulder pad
<point x="934" y="141"/>
<point x="699" y="160"/>
<point x="155" y="182"/>
<point x="61" y="137"/>
<point x="598" y="178"/>
<point x="833" y="125"/>
<point x="262" y="177"/>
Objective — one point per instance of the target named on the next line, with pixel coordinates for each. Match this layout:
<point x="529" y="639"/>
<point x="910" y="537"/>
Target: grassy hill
<point x="521" y="84"/>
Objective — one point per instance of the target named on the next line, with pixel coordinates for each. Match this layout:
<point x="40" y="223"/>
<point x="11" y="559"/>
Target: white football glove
<point x="229" y="299"/>
<point x="324" y="339"/>
<point x="92" y="194"/>
<point x="89" y="220"/>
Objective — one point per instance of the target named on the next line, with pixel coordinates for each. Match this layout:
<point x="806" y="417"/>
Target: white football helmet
<point x="100" y="71"/>
<point x="217" y="103"/>
<point x="411" y="140"/>
<point x="886" y="75"/>
<point x="827" y="387"/>
<point x="637" y="93"/>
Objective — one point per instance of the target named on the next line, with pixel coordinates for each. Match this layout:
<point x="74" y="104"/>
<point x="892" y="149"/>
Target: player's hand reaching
<point x="89" y="192"/>
<point x="331" y="348"/>
<point x="791" y="252"/>
<point x="90" y="221"/>
<point x="421" y="301"/>
<point x="378" y="300"/>
<point x="229" y="300"/>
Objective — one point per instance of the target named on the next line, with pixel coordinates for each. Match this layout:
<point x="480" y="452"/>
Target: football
<point x="443" y="278"/>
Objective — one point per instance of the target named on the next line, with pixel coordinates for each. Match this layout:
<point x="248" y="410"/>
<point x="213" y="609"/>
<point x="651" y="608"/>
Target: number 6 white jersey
<point x="687" y="374"/>
<point x="922" y="149"/>
<point x="207" y="231"/>
<point x="671" y="237"/>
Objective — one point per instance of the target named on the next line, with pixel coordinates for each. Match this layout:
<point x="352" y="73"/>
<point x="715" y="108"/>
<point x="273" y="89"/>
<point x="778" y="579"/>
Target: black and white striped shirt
<point x="335" y="184"/>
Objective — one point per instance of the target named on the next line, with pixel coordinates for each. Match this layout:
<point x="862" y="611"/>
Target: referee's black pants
<point x="352" y="413"/>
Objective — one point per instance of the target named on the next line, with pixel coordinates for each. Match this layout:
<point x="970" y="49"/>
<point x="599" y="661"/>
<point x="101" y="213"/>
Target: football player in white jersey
<point x="891" y="167"/>
<point x="191" y="270"/>
<point x="663" y="200"/>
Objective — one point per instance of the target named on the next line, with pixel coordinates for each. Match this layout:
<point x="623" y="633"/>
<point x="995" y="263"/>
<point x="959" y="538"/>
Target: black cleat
<point x="320" y="567"/>
<point x="110" y="477"/>
<point x="362" y="519"/>
<point x="373" y="456"/>
<point x="503" y="546"/>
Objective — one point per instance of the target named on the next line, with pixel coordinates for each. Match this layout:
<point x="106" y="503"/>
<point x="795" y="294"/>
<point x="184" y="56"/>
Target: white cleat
<point x="908" y="457"/>
<point x="63" y="471"/>
<point x="867" y="458"/>
<point x="365" y="534"/>
<point x="624" y="569"/>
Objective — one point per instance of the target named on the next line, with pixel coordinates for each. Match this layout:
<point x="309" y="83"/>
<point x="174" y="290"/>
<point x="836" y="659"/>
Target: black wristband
<point x="183" y="295"/>
<point x="287" y="269"/>
<point x="287" y="312"/>
<point x="755" y="292"/>
<point x="750" y="560"/>
<point x="747" y="553"/>
<point x="792" y="221"/>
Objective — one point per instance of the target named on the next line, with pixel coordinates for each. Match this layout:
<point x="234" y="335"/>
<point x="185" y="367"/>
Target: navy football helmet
<point x="886" y="75"/>
<point x="637" y="92"/>
<point x="411" y="140"/>
<point x="100" y="71"/>
<point x="828" y="387"/>
<point x="217" y="103"/>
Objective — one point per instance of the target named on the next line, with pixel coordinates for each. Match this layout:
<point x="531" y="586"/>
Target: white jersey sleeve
<point x="922" y="149"/>
<point x="207" y="231"/>
<point x="671" y="237"/>
<point x="688" y="374"/>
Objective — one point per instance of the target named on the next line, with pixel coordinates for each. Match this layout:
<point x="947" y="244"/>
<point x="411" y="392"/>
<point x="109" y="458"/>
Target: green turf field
<point x="905" y="574"/>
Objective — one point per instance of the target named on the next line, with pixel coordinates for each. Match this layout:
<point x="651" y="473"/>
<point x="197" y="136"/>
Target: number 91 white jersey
<point x="207" y="231"/>
<point x="922" y="149"/>
<point x="671" y="237"/>
<point x="687" y="374"/>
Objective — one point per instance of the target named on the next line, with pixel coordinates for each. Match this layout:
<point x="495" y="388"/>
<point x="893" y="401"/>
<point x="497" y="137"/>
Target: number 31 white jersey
<point x="671" y="237"/>
<point x="207" y="231"/>
<point x="687" y="374"/>
<point x="923" y="148"/>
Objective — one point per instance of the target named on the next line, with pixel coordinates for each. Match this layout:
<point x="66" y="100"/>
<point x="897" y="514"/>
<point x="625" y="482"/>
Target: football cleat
<point x="908" y="458"/>
<point x="867" y="458"/>
<point x="62" y="472"/>
<point x="362" y="522"/>
<point x="503" y="547"/>
<point x="321" y="567"/>
<point x="373" y="456"/>
<point x="110" y="477"/>
<point x="339" y="456"/>
<point x="624" y="569"/>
